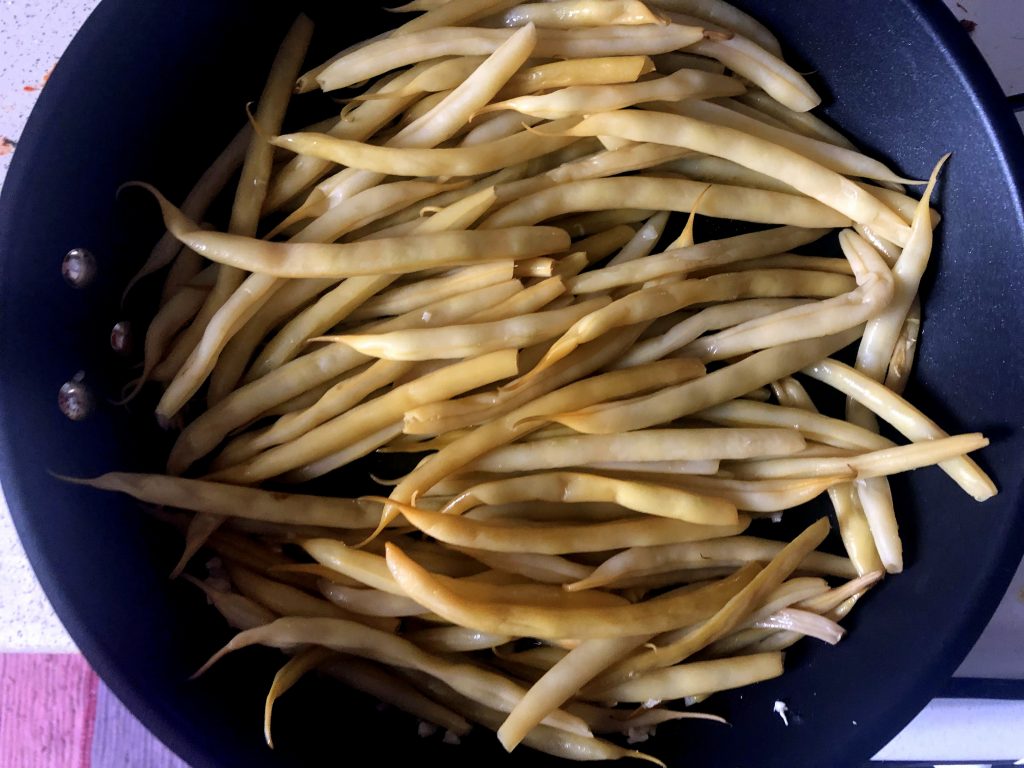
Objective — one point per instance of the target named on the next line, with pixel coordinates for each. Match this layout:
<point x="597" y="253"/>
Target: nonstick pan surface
<point x="152" y="91"/>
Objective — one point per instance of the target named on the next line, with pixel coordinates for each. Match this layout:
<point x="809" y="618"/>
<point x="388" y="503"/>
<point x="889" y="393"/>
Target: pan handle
<point x="1016" y="102"/>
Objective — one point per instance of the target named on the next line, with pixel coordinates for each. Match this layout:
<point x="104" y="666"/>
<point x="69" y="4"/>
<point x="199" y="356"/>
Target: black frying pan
<point x="152" y="90"/>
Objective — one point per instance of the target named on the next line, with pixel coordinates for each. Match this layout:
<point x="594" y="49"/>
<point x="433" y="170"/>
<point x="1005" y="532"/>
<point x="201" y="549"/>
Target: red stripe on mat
<point x="47" y="710"/>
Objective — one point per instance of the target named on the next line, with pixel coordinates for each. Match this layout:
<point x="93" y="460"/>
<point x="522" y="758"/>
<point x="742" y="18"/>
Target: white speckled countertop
<point x="34" y="33"/>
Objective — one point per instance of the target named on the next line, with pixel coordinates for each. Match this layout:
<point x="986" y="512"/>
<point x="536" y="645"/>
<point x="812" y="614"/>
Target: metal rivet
<point x="75" y="399"/>
<point x="78" y="267"/>
<point x="121" y="337"/>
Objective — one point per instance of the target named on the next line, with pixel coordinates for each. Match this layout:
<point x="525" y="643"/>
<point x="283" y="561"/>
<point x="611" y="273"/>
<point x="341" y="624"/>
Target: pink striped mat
<point x="55" y="713"/>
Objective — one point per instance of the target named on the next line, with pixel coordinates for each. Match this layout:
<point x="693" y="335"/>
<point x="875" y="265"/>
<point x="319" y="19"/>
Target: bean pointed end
<point x="636" y="754"/>
<point x="211" y="661"/>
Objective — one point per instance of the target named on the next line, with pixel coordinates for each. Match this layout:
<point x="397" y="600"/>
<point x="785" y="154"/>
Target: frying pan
<point x="152" y="90"/>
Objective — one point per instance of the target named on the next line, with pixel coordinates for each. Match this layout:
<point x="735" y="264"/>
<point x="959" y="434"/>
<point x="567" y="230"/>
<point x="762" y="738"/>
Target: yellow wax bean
<point x="720" y="386"/>
<point x="475" y="409"/>
<point x="801" y="122"/>
<point x="718" y="316"/>
<point x="683" y="260"/>
<point x="698" y="678"/>
<point x="847" y="162"/>
<point x="286" y="600"/>
<point x="561" y="539"/>
<point x="650" y="193"/>
<point x="559" y="74"/>
<point x="881" y="333"/>
<point x="587" y="99"/>
<point x="232" y="500"/>
<point x="735" y="611"/>
<point x="245" y="404"/>
<point x="561" y="682"/>
<point x="447" y="598"/>
<point x="392" y="689"/>
<point x="367" y="419"/>
<point x="478" y="684"/>
<point x="728" y="16"/>
<point x="870" y="298"/>
<point x="805" y="175"/>
<point x="385" y="55"/>
<point x="657" y="301"/>
<point x="888" y="461"/>
<point x="460" y="341"/>
<point x="569" y="14"/>
<point x="572" y="487"/>
<point x="734" y="551"/>
<point x="649" y="445"/>
<point x="339" y="303"/>
<point x="238" y="611"/>
<point x="398" y="161"/>
<point x="391" y="256"/>
<point x="547" y="569"/>
<point x="904" y="417"/>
